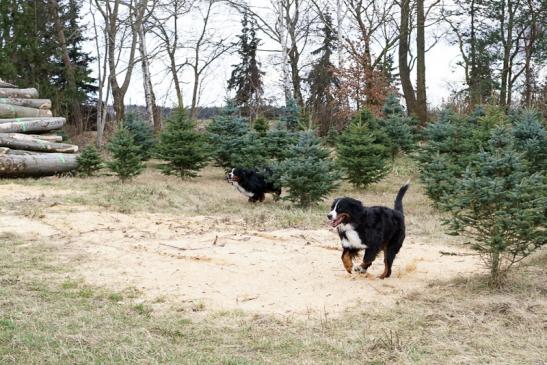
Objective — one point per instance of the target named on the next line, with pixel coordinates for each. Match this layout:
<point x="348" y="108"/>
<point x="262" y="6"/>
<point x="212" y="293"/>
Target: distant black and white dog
<point x="253" y="184"/>
<point x="372" y="229"/>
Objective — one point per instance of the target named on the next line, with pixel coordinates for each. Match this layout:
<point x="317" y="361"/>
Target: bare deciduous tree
<point x="122" y="21"/>
<point x="205" y="49"/>
<point x="167" y="27"/>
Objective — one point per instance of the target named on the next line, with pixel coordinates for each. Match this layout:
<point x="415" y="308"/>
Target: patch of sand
<point x="222" y="264"/>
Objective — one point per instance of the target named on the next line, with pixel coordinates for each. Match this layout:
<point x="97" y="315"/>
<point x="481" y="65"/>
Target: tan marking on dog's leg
<point x="385" y="274"/>
<point x="347" y="261"/>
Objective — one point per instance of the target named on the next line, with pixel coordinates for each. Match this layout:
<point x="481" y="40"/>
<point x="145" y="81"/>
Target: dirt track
<point x="217" y="263"/>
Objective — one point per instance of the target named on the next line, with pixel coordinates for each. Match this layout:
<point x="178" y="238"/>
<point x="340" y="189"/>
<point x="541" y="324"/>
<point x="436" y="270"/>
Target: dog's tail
<point x="400" y="195"/>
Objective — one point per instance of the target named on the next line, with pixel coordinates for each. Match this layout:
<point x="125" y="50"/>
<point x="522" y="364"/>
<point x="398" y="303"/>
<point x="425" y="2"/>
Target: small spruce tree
<point x="278" y="142"/>
<point x="126" y="155"/>
<point x="398" y="127"/>
<point x="248" y="152"/>
<point x="89" y="161"/>
<point x="291" y="116"/>
<point x="361" y="153"/>
<point x="261" y="126"/>
<point x="225" y="134"/>
<point x="500" y="206"/>
<point x="452" y="143"/>
<point x="531" y="139"/>
<point x="142" y="134"/>
<point x="184" y="149"/>
<point x="308" y="172"/>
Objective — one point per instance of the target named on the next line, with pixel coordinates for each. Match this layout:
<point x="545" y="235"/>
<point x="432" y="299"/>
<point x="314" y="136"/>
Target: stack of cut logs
<point x="27" y="145"/>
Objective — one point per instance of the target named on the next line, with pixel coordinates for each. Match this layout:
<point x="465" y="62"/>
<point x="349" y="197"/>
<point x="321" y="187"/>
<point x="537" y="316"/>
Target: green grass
<point x="49" y="316"/>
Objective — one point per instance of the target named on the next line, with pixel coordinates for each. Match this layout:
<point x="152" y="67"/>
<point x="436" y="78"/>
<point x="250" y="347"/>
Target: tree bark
<point x="15" y="111"/>
<point x="44" y="164"/>
<point x="5" y="84"/>
<point x="69" y="68"/>
<point x="18" y="93"/>
<point x="284" y="53"/>
<point x="24" y="125"/>
<point x="506" y="32"/>
<point x="113" y="27"/>
<point x="153" y="112"/>
<point x="23" y="142"/>
<point x="45" y="137"/>
<point x="421" y="98"/>
<point x="30" y="103"/>
<point x="404" y="69"/>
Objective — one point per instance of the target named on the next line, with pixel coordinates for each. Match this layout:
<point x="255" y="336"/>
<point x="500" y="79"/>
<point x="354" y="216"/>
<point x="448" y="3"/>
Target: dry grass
<point x="209" y="194"/>
<point x="46" y="318"/>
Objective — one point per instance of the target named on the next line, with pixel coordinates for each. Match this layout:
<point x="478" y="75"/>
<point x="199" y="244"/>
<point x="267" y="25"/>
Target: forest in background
<point x="332" y="58"/>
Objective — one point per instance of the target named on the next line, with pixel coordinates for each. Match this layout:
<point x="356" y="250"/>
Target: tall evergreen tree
<point x="322" y="79"/>
<point x="246" y="78"/>
<point x="30" y="52"/>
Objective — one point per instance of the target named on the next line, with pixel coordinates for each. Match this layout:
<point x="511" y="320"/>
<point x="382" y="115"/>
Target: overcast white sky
<point x="441" y="70"/>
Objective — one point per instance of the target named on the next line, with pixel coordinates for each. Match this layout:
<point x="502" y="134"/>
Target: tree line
<point x="334" y="57"/>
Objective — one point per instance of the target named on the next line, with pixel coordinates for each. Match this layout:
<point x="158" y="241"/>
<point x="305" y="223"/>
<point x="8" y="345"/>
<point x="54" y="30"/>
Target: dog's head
<point x="344" y="211"/>
<point x="237" y="174"/>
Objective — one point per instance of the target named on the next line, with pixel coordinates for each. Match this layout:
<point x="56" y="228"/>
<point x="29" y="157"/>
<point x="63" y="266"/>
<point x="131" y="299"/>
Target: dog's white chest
<point x="350" y="237"/>
<point x="242" y="190"/>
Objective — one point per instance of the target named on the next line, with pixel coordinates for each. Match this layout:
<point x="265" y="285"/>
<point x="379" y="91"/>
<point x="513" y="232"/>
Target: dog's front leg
<point x="368" y="258"/>
<point x="347" y="256"/>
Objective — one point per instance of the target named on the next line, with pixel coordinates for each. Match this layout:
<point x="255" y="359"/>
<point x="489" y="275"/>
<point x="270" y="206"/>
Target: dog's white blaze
<point x="333" y="213"/>
<point x="242" y="190"/>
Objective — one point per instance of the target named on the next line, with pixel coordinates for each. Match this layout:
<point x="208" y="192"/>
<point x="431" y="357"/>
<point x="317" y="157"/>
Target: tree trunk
<point x="193" y="111"/>
<point x="294" y="57"/>
<point x="18" y="93"/>
<point x="113" y="27"/>
<point x="69" y="68"/>
<point x="5" y="84"/>
<point x="23" y="142"/>
<point x="421" y="98"/>
<point x="404" y="69"/>
<point x="173" y="66"/>
<point x="283" y="40"/>
<point x="339" y="37"/>
<point x="153" y="112"/>
<point x="15" y="111"/>
<point x="506" y="31"/>
<point x="30" y="103"/>
<point x="45" y="137"/>
<point x="44" y="164"/>
<point x="475" y="93"/>
<point x="24" y="125"/>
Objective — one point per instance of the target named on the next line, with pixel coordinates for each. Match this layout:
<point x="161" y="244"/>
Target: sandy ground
<point x="218" y="264"/>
